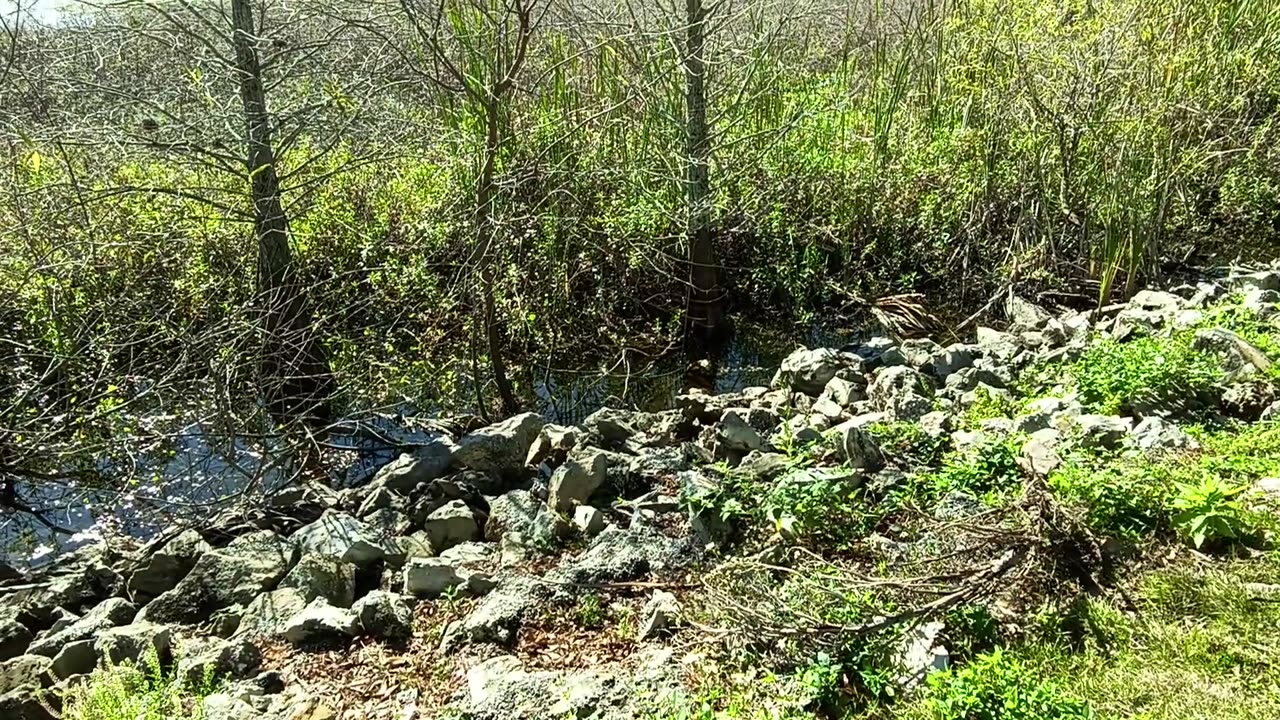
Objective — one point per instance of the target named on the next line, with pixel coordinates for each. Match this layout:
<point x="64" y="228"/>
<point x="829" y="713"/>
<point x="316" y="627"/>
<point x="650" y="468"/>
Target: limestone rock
<point x="588" y="520"/>
<point x="320" y="621"/>
<point x="133" y="642"/>
<point x="901" y="392"/>
<point x="451" y="524"/>
<point x="322" y="576"/>
<point x="167" y="566"/>
<point x="426" y="463"/>
<point x="270" y="612"/>
<point x="110" y="613"/>
<point x="809" y="371"/>
<point x="500" y="448"/>
<point x="215" y="657"/>
<point x="660" y="613"/>
<point x="343" y="537"/>
<point x="76" y="658"/>
<point x="236" y="574"/>
<point x="574" y="482"/>
<point x="385" y="615"/>
<point x="1158" y="434"/>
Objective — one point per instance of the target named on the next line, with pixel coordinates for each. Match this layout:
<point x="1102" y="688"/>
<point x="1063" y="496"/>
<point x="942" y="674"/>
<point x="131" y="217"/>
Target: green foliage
<point x="997" y="686"/>
<point x="988" y="405"/>
<point x="1207" y="512"/>
<point x="821" y="505"/>
<point x="988" y="471"/>
<point x="1121" y="497"/>
<point x="590" y="613"/>
<point x="1153" y="371"/>
<point x="907" y="444"/>
<point x="143" y="691"/>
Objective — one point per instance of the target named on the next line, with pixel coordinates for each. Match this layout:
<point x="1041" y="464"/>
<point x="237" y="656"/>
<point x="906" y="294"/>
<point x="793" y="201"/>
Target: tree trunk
<point x="293" y="367"/>
<point x="704" y="315"/>
<point x="485" y="237"/>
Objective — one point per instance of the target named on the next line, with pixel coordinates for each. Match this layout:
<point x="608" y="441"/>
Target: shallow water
<point x="206" y="473"/>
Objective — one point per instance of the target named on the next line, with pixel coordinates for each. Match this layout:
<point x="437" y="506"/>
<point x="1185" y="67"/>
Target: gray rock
<point x="25" y="704"/>
<point x="857" y="447"/>
<point x="14" y="638"/>
<point x="451" y="524"/>
<point x="320" y="621"/>
<point x="76" y="658"/>
<point x="385" y="615"/>
<point x="341" y="536"/>
<point x="1040" y="454"/>
<point x="984" y="392"/>
<point x="660" y="613"/>
<point x="110" y="613"/>
<point x="250" y="565"/>
<point x="484" y="678"/>
<point x="1263" y="280"/>
<point x="500" y="448"/>
<point x="322" y="576"/>
<point x="270" y="612"/>
<point x="919" y="352"/>
<point x="809" y="371"/>
<point x="618" y="555"/>
<point x="389" y="523"/>
<point x="1001" y="346"/>
<point x="611" y="427"/>
<point x="381" y="498"/>
<point x="588" y="520"/>
<point x="225" y="706"/>
<point x="1099" y="431"/>
<point x="167" y="566"/>
<point x="426" y="463"/>
<point x="956" y="505"/>
<point x="1025" y="315"/>
<point x="134" y="642"/>
<point x="762" y="466"/>
<point x="947" y="361"/>
<point x="736" y="434"/>
<point x="513" y="512"/>
<point x="1045" y="413"/>
<point x="935" y="424"/>
<point x="553" y="443"/>
<point x="657" y="463"/>
<point x="26" y="671"/>
<point x="1158" y="434"/>
<point x="901" y="392"/>
<point x="920" y="653"/>
<point x="574" y="482"/>
<point x="496" y="617"/>
<point x="828" y="408"/>
<point x="201" y="659"/>
<point x="433" y="577"/>
<point x="841" y="392"/>
<point x="223" y="623"/>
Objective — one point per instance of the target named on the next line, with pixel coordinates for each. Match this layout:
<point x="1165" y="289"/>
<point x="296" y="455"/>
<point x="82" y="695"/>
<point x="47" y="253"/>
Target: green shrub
<point x="997" y="686"/>
<point x="822" y="505"/>
<point x="1124" y="498"/>
<point x="1166" y="372"/>
<point x="142" y="691"/>
<point x="1206" y="511"/>
<point x="988" y="471"/>
<point x="907" y="443"/>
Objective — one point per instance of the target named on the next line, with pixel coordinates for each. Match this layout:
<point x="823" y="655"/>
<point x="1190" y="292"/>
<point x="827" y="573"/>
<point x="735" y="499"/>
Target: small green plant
<point x="997" y="686"/>
<point x="986" y="406"/>
<point x="591" y="612"/>
<point x="141" y="691"/>
<point x="825" y="505"/>
<point x="1123" y="498"/>
<point x="1206" y="511"/>
<point x="1146" y="372"/>
<point x="988" y="471"/>
<point x="908" y="443"/>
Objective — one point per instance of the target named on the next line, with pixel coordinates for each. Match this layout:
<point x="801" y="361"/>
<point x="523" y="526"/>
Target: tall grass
<point x="935" y="145"/>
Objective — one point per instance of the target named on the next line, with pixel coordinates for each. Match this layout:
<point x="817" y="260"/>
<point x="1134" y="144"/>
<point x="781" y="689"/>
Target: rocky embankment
<point x="519" y="516"/>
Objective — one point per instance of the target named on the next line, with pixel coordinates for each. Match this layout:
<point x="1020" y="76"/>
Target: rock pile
<point x="464" y="516"/>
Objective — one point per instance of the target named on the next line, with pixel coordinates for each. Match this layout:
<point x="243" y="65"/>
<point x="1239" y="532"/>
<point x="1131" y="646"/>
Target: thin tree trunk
<point x="485" y="236"/>
<point x="293" y="371"/>
<point x="704" y="307"/>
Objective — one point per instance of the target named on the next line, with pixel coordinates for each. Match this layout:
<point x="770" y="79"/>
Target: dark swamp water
<point x="202" y="472"/>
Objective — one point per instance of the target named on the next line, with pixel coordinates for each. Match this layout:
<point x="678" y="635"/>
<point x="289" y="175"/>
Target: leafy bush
<point x="908" y="443"/>
<point x="1124" y="498"/>
<point x="997" y="686"/>
<point x="143" y="691"/>
<point x="1206" y="511"/>
<point x="1146" y="372"/>
<point x="988" y="405"/>
<point x="987" y="471"/>
<point x="823" y="505"/>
